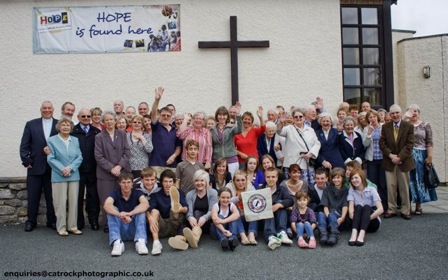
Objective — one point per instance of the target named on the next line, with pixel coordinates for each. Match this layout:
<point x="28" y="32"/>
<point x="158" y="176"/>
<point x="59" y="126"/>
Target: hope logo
<point x="58" y="18"/>
<point x="257" y="203"/>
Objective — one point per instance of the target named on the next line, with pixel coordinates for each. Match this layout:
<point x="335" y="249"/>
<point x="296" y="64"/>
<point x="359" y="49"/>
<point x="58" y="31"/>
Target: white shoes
<point x="156" y="248"/>
<point x="274" y="242"/>
<point x="284" y="238"/>
<point x="118" y="248"/>
<point x="140" y="247"/>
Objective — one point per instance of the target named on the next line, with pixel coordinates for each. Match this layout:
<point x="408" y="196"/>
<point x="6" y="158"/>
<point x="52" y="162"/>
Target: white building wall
<point x="303" y="61"/>
<point x="429" y="93"/>
<point x="398" y="35"/>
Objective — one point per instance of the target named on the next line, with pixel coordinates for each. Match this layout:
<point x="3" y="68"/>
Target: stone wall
<point x="13" y="202"/>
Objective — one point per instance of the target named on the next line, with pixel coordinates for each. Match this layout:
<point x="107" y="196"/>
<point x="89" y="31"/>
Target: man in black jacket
<point x="86" y="136"/>
<point x="275" y="228"/>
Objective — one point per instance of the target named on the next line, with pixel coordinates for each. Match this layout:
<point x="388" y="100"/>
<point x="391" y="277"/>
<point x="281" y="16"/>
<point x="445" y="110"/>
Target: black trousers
<point x="377" y="175"/>
<point x="87" y="185"/>
<point x="35" y="184"/>
<point x="361" y="219"/>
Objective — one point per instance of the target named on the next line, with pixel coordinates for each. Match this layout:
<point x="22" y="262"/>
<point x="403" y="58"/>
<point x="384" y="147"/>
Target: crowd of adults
<point x="154" y="171"/>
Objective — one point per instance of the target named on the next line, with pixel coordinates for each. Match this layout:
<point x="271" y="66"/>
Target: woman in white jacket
<point x="301" y="145"/>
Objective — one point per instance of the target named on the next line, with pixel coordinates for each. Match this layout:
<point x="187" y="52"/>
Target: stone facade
<point x="13" y="202"/>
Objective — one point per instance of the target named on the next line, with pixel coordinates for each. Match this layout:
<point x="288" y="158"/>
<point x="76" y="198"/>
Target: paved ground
<point x="416" y="249"/>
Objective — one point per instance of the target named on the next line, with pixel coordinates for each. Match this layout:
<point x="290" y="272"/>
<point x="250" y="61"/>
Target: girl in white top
<point x="224" y="215"/>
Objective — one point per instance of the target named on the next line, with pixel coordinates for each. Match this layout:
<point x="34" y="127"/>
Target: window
<point x="363" y="53"/>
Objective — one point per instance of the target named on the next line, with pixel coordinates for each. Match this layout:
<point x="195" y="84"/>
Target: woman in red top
<point x="246" y="142"/>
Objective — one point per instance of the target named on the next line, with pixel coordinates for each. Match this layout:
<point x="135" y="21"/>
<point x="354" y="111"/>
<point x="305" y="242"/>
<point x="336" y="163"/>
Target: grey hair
<point x="309" y="107"/>
<point x="396" y="107"/>
<point x="414" y="107"/>
<point x="200" y="113"/>
<point x="293" y="112"/>
<point x="270" y="124"/>
<point x="325" y="115"/>
<point x="202" y="175"/>
<point x="64" y="119"/>
<point x="348" y="119"/>
<point x="275" y="111"/>
<point x="107" y="113"/>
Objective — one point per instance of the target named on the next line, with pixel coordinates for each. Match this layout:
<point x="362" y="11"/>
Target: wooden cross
<point x="233" y="45"/>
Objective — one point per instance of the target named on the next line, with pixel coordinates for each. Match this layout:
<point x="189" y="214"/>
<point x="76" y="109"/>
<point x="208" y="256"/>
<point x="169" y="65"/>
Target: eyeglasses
<point x="136" y="122"/>
<point x="298" y="117"/>
<point x="86" y="116"/>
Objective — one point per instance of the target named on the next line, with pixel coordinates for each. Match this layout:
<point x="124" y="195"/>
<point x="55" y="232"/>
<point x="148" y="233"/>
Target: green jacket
<point x="227" y="147"/>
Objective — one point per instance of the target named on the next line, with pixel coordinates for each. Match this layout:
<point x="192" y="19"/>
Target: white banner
<point x="107" y="29"/>
<point x="257" y="204"/>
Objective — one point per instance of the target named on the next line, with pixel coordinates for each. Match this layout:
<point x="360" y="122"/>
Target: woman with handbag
<point x="301" y="145"/>
<point x="422" y="153"/>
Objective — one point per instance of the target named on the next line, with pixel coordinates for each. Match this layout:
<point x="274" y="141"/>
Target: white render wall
<point x="303" y="61"/>
<point x="430" y="94"/>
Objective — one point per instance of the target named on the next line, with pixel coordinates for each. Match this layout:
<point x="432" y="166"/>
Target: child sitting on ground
<point x="303" y="220"/>
<point x="334" y="201"/>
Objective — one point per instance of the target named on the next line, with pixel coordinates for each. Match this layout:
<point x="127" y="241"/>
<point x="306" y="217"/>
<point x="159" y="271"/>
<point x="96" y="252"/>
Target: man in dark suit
<point x="265" y="142"/>
<point x="87" y="171"/>
<point x="396" y="143"/>
<point x="34" y="158"/>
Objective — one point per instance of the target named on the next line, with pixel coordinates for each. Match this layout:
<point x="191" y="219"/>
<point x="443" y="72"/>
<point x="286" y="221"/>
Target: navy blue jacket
<point x="32" y="146"/>
<point x="349" y="152"/>
<point x="87" y="146"/>
<point x="262" y="147"/>
<point x="329" y="148"/>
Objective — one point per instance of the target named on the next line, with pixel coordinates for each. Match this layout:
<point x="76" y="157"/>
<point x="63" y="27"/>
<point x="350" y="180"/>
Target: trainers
<point x="140" y="247"/>
<point x="175" y="200"/>
<point x="274" y="242"/>
<point x="225" y="244"/>
<point x="332" y="240"/>
<point x="118" y="248"/>
<point x="156" y="248"/>
<point x="323" y="238"/>
<point x="284" y="238"/>
<point x="233" y="243"/>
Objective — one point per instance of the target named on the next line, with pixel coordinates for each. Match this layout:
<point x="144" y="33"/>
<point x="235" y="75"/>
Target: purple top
<point x="165" y="143"/>
<point x="309" y="216"/>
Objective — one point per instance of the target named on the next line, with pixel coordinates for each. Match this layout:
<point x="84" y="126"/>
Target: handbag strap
<point x="300" y="134"/>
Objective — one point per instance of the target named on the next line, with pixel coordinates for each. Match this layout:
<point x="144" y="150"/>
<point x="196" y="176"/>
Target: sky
<point x="426" y="17"/>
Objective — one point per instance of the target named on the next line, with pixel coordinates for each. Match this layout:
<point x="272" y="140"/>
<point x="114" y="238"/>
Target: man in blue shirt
<point x="167" y="147"/>
<point x="168" y="209"/>
<point x="125" y="208"/>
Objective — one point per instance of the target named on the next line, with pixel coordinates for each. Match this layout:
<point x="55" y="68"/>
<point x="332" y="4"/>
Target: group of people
<point x="178" y="176"/>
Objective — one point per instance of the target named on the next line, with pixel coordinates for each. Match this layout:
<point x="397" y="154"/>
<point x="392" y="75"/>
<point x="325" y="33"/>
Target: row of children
<point x="219" y="211"/>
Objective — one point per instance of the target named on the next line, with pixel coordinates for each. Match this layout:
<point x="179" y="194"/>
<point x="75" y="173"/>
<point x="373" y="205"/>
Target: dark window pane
<point x="372" y="77"/>
<point x="371" y="56"/>
<point x="352" y="95"/>
<point x="373" y="96"/>
<point x="349" y="16"/>
<point x="351" y="56"/>
<point x="351" y="77"/>
<point x="350" y="35"/>
<point x="370" y="36"/>
<point x="369" y="15"/>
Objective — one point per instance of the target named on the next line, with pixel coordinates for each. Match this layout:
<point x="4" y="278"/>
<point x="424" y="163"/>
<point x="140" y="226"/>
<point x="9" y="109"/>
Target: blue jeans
<point x="330" y="221"/>
<point x="276" y="224"/>
<point x="132" y="231"/>
<point x="242" y="224"/>
<point x="304" y="227"/>
<point x="232" y="227"/>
